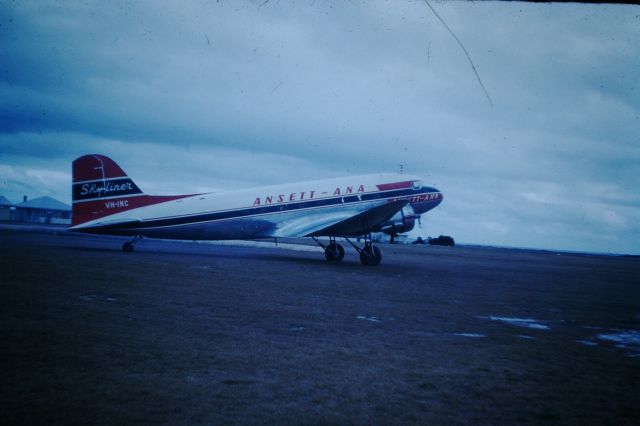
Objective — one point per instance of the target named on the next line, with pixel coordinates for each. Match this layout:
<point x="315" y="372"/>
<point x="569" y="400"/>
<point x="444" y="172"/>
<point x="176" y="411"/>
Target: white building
<point x="6" y="209"/>
<point x="43" y="210"/>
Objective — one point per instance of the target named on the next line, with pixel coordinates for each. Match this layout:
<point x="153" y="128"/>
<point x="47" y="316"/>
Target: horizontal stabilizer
<point x="107" y="226"/>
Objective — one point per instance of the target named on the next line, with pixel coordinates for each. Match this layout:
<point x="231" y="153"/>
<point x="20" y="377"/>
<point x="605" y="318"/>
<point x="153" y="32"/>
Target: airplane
<point x="107" y="201"/>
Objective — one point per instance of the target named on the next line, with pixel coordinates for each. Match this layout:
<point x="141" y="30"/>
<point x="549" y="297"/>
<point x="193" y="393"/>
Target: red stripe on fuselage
<point x="395" y="185"/>
<point x="92" y="210"/>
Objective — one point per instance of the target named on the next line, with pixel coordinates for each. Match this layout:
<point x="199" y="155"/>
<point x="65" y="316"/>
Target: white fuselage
<point x="291" y="210"/>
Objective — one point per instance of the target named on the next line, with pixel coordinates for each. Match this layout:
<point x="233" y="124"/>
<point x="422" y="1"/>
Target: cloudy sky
<point x="203" y="95"/>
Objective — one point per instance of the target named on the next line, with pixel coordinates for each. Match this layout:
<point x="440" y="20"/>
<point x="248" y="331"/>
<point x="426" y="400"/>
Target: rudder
<point x="100" y="188"/>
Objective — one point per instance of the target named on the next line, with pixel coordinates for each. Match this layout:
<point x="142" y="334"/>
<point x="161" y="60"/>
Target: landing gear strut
<point x="129" y="245"/>
<point x="333" y="252"/>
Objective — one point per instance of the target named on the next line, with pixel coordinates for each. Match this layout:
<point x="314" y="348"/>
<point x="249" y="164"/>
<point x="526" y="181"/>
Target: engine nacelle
<point x="403" y="221"/>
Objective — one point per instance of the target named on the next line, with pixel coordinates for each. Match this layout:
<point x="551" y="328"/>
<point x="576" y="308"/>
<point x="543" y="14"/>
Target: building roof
<point x="45" y="203"/>
<point x="5" y="202"/>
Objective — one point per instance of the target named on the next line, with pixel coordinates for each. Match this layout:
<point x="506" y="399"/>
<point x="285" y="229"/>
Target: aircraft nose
<point x="437" y="196"/>
<point x="432" y="190"/>
<point x="429" y="199"/>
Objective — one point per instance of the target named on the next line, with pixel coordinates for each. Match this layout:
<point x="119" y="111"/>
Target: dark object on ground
<point x="419" y="240"/>
<point x="442" y="240"/>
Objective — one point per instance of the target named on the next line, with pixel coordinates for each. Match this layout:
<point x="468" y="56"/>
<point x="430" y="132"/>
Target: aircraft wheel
<point x="334" y="253"/>
<point x="370" y="255"/>
<point x="127" y="246"/>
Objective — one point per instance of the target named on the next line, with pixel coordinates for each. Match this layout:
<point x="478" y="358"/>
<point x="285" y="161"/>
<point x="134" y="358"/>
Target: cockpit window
<point x="417" y="184"/>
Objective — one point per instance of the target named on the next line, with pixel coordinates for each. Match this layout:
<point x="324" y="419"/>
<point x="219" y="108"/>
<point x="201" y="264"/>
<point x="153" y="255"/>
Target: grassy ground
<point x="204" y="334"/>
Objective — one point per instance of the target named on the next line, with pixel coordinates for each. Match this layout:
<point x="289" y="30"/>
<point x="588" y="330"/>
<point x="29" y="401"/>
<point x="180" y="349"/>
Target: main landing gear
<point x="370" y="255"/>
<point x="333" y="252"/>
<point x="129" y="245"/>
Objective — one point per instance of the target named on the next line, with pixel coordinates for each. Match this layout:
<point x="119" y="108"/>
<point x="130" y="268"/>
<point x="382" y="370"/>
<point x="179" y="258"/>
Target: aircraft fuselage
<point x="292" y="210"/>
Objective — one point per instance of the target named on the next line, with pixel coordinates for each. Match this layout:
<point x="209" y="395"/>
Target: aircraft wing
<point x="362" y="223"/>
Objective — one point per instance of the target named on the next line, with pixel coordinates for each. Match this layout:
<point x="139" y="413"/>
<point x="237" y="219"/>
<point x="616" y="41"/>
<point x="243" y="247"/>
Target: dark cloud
<point x="207" y="94"/>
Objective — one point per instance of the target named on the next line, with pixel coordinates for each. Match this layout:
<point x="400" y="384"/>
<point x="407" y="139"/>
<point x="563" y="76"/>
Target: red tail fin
<point x="100" y="188"/>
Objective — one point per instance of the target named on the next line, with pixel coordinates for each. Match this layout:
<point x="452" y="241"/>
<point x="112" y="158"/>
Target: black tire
<point x="370" y="255"/>
<point x="334" y="253"/>
<point x="127" y="247"/>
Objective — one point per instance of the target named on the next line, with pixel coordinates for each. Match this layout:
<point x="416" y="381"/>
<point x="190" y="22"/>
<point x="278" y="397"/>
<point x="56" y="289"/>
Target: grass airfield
<point x="194" y="333"/>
